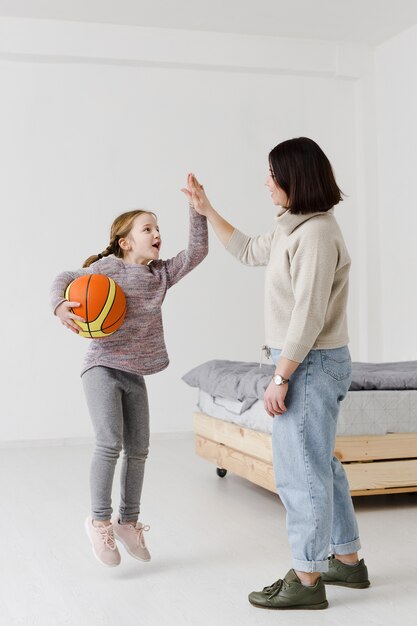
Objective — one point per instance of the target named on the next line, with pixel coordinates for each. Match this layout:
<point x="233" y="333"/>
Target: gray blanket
<point x="247" y="382"/>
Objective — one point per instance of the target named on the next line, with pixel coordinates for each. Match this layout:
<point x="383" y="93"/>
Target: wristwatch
<point x="279" y="380"/>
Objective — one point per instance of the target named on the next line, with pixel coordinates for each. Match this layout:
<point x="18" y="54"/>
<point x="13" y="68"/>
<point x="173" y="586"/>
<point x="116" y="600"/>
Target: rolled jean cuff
<point x="311" y="566"/>
<point x="346" y="548"/>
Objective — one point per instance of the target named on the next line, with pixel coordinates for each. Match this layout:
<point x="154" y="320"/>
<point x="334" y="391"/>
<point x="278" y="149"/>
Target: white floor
<point x="212" y="541"/>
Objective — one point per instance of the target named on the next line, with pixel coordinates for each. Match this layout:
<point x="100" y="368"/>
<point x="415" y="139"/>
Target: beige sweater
<point x="306" y="281"/>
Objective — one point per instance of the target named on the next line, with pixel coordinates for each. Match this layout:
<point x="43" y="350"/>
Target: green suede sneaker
<point x="346" y="575"/>
<point x="290" y="593"/>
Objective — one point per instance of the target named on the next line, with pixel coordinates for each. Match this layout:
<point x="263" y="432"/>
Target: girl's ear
<point x="124" y="244"/>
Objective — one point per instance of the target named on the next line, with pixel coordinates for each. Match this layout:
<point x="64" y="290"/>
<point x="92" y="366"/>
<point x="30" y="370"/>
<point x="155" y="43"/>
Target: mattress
<point x="367" y="412"/>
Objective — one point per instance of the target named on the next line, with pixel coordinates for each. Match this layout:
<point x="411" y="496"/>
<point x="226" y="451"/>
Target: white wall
<point x="96" y="120"/>
<point x="396" y="92"/>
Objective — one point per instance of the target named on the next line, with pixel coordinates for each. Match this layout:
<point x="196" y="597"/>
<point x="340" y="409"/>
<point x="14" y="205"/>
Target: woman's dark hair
<point x="300" y="167"/>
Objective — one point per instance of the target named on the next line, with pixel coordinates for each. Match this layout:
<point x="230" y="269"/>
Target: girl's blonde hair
<point x="120" y="229"/>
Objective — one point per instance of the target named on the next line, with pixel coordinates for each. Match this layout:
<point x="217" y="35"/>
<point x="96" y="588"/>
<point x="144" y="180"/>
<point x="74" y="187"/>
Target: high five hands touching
<point x="197" y="196"/>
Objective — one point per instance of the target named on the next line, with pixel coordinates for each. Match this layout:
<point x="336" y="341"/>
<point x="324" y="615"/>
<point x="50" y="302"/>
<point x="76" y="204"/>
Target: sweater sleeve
<point x="250" y="250"/>
<point x="312" y="269"/>
<point x="61" y="282"/>
<point x="197" y="249"/>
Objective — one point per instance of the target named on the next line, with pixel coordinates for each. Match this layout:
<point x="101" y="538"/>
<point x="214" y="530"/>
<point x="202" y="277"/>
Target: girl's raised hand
<point x="67" y="317"/>
<point x="196" y="195"/>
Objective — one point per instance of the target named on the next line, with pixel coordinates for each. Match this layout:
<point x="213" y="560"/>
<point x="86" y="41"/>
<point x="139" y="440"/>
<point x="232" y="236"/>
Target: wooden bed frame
<point x="374" y="464"/>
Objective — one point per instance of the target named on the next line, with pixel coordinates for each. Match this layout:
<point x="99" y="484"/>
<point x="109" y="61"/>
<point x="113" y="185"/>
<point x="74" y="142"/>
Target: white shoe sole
<point x="86" y="526"/>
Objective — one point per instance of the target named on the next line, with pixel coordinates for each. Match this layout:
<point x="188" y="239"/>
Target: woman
<point x="306" y="290"/>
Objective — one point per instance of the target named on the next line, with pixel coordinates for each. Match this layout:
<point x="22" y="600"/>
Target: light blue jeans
<point x="311" y="482"/>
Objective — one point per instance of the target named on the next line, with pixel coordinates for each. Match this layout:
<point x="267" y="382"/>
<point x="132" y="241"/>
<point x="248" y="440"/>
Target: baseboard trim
<point x="82" y="441"/>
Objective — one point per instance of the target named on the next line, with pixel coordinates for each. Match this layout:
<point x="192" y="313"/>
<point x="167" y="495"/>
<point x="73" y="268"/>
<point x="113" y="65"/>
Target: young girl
<point x="114" y="367"/>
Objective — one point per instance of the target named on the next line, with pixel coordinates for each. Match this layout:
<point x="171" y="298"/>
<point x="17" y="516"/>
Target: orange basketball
<point x="102" y="304"/>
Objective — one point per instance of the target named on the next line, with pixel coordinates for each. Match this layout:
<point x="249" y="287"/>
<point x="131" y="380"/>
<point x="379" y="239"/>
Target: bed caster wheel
<point x="221" y="472"/>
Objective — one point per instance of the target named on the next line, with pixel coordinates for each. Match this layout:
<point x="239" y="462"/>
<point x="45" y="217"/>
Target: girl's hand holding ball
<point x="67" y="317"/>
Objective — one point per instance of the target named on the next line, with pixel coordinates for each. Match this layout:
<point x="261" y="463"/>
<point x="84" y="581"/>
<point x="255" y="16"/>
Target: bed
<point x="377" y="429"/>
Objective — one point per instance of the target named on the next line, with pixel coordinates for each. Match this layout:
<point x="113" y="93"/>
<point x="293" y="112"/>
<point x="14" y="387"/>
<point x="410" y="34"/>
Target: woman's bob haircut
<point x="300" y="167"/>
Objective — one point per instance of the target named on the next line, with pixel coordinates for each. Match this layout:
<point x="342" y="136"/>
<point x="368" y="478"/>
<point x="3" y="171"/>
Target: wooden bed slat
<point x="382" y="474"/>
<point x="252" y="469"/>
<point x="374" y="447"/>
<point x="348" y="448"/>
<point x="248" y="453"/>
<point x="249" y="441"/>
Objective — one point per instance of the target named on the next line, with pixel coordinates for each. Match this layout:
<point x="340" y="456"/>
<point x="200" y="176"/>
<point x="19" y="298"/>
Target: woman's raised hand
<point x="67" y="317"/>
<point x="196" y="195"/>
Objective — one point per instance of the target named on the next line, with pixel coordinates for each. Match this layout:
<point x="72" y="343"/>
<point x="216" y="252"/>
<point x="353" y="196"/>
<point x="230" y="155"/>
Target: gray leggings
<point x="118" y="406"/>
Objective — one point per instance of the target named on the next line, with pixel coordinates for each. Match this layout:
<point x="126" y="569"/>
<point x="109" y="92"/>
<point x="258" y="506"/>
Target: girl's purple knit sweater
<point x="138" y="346"/>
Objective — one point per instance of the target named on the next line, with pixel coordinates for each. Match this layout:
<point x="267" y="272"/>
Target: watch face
<point x="279" y="380"/>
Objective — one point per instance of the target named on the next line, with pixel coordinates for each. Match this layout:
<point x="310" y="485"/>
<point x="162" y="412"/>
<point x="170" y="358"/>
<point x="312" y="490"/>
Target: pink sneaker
<point x="103" y="543"/>
<point x="132" y="538"/>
